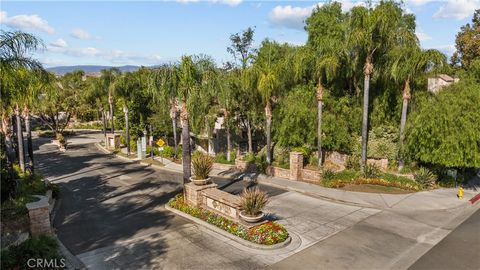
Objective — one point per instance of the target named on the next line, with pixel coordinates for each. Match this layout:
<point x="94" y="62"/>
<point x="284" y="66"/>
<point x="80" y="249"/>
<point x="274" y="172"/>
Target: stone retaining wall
<point x="223" y="167"/>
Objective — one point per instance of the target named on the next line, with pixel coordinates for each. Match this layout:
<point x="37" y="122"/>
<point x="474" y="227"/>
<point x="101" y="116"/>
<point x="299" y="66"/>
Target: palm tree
<point x="15" y="48"/>
<point x="408" y="62"/>
<point x="107" y="81"/>
<point x="164" y="88"/>
<point x="268" y="85"/>
<point x="373" y="33"/>
<point x="124" y="87"/>
<point x="196" y="78"/>
<point x="324" y="54"/>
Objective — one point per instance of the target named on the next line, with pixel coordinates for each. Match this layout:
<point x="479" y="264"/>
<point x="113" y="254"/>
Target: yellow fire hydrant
<point x="460" y="193"/>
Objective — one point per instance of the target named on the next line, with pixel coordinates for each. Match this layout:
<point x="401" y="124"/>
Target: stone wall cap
<point x="296" y="153"/>
<point x="43" y="202"/>
<point x="192" y="186"/>
<point x="222" y="196"/>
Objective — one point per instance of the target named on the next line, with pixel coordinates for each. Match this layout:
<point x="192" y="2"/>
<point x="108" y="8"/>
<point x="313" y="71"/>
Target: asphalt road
<point x="459" y="250"/>
<point x="105" y="199"/>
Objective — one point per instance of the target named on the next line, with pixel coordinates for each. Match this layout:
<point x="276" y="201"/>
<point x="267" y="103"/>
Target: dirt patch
<point x="375" y="189"/>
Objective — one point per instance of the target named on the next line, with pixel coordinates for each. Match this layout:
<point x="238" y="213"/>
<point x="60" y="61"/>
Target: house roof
<point x="445" y="77"/>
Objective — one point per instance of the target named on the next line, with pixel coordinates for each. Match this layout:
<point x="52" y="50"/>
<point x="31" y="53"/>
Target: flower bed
<point x="386" y="180"/>
<point x="269" y="233"/>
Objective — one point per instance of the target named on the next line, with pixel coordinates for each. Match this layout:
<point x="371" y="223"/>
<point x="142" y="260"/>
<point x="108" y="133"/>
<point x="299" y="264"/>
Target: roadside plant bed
<point x="347" y="177"/>
<point x="269" y="233"/>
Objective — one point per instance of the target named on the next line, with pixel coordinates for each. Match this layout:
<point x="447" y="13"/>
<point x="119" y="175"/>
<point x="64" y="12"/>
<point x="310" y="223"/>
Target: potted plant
<point x="252" y="201"/>
<point x="202" y="166"/>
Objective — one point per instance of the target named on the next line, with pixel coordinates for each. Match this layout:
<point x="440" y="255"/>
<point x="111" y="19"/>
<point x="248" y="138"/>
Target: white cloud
<point x="80" y="34"/>
<point x="116" y="57"/>
<point x="77" y="52"/>
<point x="294" y="17"/>
<point x="26" y="22"/>
<point x="59" y="43"/>
<point x="422" y="36"/>
<point x="457" y="9"/>
<point x="288" y="16"/>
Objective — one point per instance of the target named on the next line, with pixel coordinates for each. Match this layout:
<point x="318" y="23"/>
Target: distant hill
<point x="60" y="70"/>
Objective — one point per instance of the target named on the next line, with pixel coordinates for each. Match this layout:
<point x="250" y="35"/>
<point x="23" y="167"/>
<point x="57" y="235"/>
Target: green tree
<point x="445" y="129"/>
<point x="467" y="43"/>
<point x="373" y="32"/>
<point x="326" y="28"/>
<point x="409" y="62"/>
<point x="125" y="88"/>
<point x="242" y="50"/>
<point x="270" y="65"/>
<point x="15" y="50"/>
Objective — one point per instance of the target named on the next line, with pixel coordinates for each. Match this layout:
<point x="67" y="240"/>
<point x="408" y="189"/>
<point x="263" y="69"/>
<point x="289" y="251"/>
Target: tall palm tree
<point x="107" y="80"/>
<point x="373" y="33"/>
<point x="323" y="55"/>
<point x="15" y="48"/>
<point x="164" y="89"/>
<point x="196" y="78"/>
<point x="408" y="62"/>
<point x="124" y="87"/>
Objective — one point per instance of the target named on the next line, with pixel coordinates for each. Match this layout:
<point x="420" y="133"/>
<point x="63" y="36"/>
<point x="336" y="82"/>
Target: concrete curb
<point x="229" y="235"/>
<point x="72" y="262"/>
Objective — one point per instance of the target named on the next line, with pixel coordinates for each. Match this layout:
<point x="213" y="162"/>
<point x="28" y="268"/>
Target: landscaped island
<point x="268" y="233"/>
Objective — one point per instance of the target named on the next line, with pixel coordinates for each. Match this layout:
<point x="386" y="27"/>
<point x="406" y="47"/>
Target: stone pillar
<point x="296" y="165"/>
<point x="113" y="141"/>
<point x="39" y="216"/>
<point x="193" y="193"/>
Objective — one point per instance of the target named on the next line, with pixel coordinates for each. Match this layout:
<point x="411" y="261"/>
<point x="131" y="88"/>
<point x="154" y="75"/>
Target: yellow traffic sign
<point x="160" y="142"/>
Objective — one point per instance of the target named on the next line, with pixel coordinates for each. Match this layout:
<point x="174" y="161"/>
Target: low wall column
<point x="39" y="214"/>
<point x="193" y="193"/>
<point x="296" y="165"/>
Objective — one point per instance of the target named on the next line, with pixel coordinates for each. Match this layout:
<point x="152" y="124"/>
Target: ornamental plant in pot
<point x="252" y="201"/>
<point x="202" y="166"/>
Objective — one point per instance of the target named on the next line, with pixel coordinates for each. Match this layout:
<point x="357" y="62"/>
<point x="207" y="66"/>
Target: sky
<point x="116" y="33"/>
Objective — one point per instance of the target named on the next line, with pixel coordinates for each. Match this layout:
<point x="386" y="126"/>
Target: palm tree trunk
<point x="110" y="103"/>
<point x="249" y="135"/>
<point x="320" y="91"/>
<point x="127" y="130"/>
<point x="104" y="125"/>
<point x="368" y="69"/>
<point x="173" y="115"/>
<point x="268" y="114"/>
<point x="7" y="131"/>
<point x="229" y="137"/>
<point x="403" y="120"/>
<point x="21" y="150"/>
<point x="26" y="113"/>
<point x="186" y="154"/>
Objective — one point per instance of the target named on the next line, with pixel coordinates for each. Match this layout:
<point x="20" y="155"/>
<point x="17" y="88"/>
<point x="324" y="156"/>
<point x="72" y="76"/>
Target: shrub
<point x="252" y="201"/>
<point x="305" y="151"/>
<point x="222" y="158"/>
<point x="371" y="171"/>
<point x="353" y="162"/>
<point x="261" y="163"/>
<point x="249" y="157"/>
<point x="168" y="152"/>
<point x="202" y="165"/>
<point x="313" y="160"/>
<point x="328" y="174"/>
<point x="425" y="177"/>
<point x="156" y="152"/>
<point x="133" y="145"/>
<point x="266" y="234"/>
<point x="42" y="246"/>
